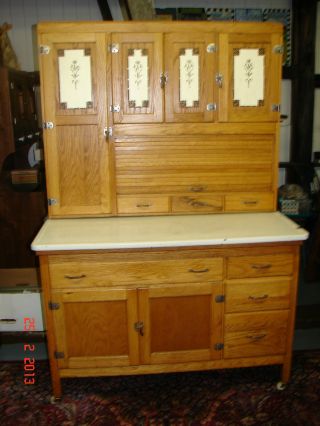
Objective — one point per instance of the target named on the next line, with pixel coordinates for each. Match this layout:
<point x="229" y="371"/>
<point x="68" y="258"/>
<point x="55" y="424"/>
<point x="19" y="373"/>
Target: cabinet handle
<point x="8" y="320"/>
<point x="197" y="188"/>
<point x="250" y="202"/>
<point x="75" y="277"/>
<point x="143" y="205"/>
<point x="258" y="298"/>
<point x="262" y="266"/>
<point x="256" y="337"/>
<point x="199" y="271"/>
<point x="138" y="326"/>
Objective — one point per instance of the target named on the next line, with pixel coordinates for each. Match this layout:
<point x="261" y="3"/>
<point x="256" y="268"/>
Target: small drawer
<point x="197" y="203"/>
<point x="260" y="266"/>
<point x="257" y="294"/>
<point x="255" y="334"/>
<point x="246" y="202"/>
<point x="140" y="205"/>
<point x="76" y="271"/>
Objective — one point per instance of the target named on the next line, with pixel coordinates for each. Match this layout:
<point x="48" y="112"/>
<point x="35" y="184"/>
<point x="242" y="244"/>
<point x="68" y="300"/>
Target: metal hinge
<point x="47" y="125"/>
<point x="219" y="80"/>
<point x="114" y="48"/>
<point x="58" y="355"/>
<point x="278" y="48"/>
<point x="220" y="298"/>
<point x="211" y="48"/>
<point x="211" y="107"/>
<point x="218" y="346"/>
<point x="54" y="306"/>
<point x="52" y="201"/>
<point x="115" y="108"/>
<point x="276" y="107"/>
<point x="44" y="50"/>
<point x="107" y="131"/>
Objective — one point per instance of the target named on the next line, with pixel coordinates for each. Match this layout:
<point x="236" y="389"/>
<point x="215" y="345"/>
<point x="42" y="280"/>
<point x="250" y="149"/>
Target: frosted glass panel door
<point x="75" y="81"/>
<point x="189" y="77"/>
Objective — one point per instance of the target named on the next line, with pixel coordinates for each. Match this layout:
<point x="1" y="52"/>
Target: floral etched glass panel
<point x="248" y="77"/>
<point x="138" y="78"/>
<point x="189" y="77"/>
<point x="75" y="81"/>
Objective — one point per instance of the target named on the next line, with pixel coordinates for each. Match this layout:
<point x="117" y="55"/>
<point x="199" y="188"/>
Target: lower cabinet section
<point x="135" y="311"/>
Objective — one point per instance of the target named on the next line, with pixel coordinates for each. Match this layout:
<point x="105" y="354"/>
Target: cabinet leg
<point x="286" y="371"/>
<point x="55" y="380"/>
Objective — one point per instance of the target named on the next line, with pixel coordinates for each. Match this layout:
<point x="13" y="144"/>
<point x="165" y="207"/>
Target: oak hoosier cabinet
<point x="156" y="120"/>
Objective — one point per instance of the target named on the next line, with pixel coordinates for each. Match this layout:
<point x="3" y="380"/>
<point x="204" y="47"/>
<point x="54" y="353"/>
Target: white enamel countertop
<point x="166" y="231"/>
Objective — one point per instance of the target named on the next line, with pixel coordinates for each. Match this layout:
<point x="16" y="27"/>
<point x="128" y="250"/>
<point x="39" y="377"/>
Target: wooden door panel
<point x="190" y="85"/>
<point x="181" y="323"/>
<point x="95" y="328"/>
<point x="136" y="87"/>
<point x="251" y="71"/>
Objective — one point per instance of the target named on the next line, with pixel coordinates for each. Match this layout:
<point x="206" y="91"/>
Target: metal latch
<point x="44" y="50"/>
<point x="138" y="326"/>
<point x="219" y="80"/>
<point x="52" y="201"/>
<point x="220" y="298"/>
<point x="218" y="346"/>
<point x="278" y="48"/>
<point x="114" y="48"/>
<point x="211" y="107"/>
<point x="115" y="108"/>
<point x="163" y="79"/>
<point x="107" y="131"/>
<point x="47" y="125"/>
<point x="211" y="48"/>
<point x="276" y="107"/>
<point x="53" y="306"/>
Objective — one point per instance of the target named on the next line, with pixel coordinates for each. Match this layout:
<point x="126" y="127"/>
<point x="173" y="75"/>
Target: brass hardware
<point x="211" y="48"/>
<point x="75" y="277"/>
<point x="250" y="203"/>
<point x="8" y="320"/>
<point x="263" y="266"/>
<point x="258" y="298"/>
<point x="219" y="80"/>
<point x="138" y="326"/>
<point x="54" y="306"/>
<point x="220" y="298"/>
<point x="143" y="205"/>
<point x="163" y="79"/>
<point x="199" y="271"/>
<point x="256" y="337"/>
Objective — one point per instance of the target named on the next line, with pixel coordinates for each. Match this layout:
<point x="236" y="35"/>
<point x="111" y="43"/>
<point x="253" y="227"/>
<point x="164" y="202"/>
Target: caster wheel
<point x="281" y="386"/>
<point x="54" y="400"/>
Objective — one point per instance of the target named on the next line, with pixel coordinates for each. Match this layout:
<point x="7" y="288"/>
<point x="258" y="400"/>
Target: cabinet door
<point x="181" y="323"/>
<point x="95" y="328"/>
<point x="73" y="75"/>
<point x="250" y="70"/>
<point x="190" y="67"/>
<point x="137" y="96"/>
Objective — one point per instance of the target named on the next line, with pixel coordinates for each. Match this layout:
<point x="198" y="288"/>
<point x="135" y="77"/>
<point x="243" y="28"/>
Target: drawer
<point x="255" y="334"/>
<point x="260" y="266"/>
<point x="248" y="202"/>
<point x="257" y="294"/>
<point x="98" y="271"/>
<point x="198" y="203"/>
<point x="136" y="205"/>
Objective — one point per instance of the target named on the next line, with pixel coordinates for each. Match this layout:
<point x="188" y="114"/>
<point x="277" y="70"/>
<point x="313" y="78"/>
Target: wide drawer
<point x="97" y="270"/>
<point x="257" y="294"/>
<point x="267" y="265"/>
<point x="197" y="203"/>
<point x="248" y="202"/>
<point x="255" y="334"/>
<point x="142" y="205"/>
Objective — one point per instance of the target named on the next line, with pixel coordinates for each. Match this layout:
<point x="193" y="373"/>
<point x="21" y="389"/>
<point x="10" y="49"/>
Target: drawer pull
<point x="8" y="320"/>
<point x="262" y="266"/>
<point x="250" y="203"/>
<point x="256" y="337"/>
<point x="199" y="271"/>
<point x="258" y="298"/>
<point x="197" y="188"/>
<point x="75" y="277"/>
<point x="143" y="205"/>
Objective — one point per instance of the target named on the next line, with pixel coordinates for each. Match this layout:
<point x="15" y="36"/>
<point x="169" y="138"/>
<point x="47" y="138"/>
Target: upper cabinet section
<point x="137" y="78"/>
<point x="249" y="77"/>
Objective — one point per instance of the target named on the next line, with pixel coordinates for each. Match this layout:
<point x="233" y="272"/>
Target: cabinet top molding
<point x="160" y="26"/>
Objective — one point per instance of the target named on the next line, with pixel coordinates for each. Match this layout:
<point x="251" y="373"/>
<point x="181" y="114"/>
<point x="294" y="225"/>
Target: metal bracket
<point x="115" y="108"/>
<point x="278" y="48"/>
<point x="220" y="298"/>
<point x="52" y="201"/>
<point x="44" y="50"/>
<point x="53" y="306"/>
<point x="47" y="125"/>
<point x="211" y="107"/>
<point x="114" y="48"/>
<point x="211" y="48"/>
